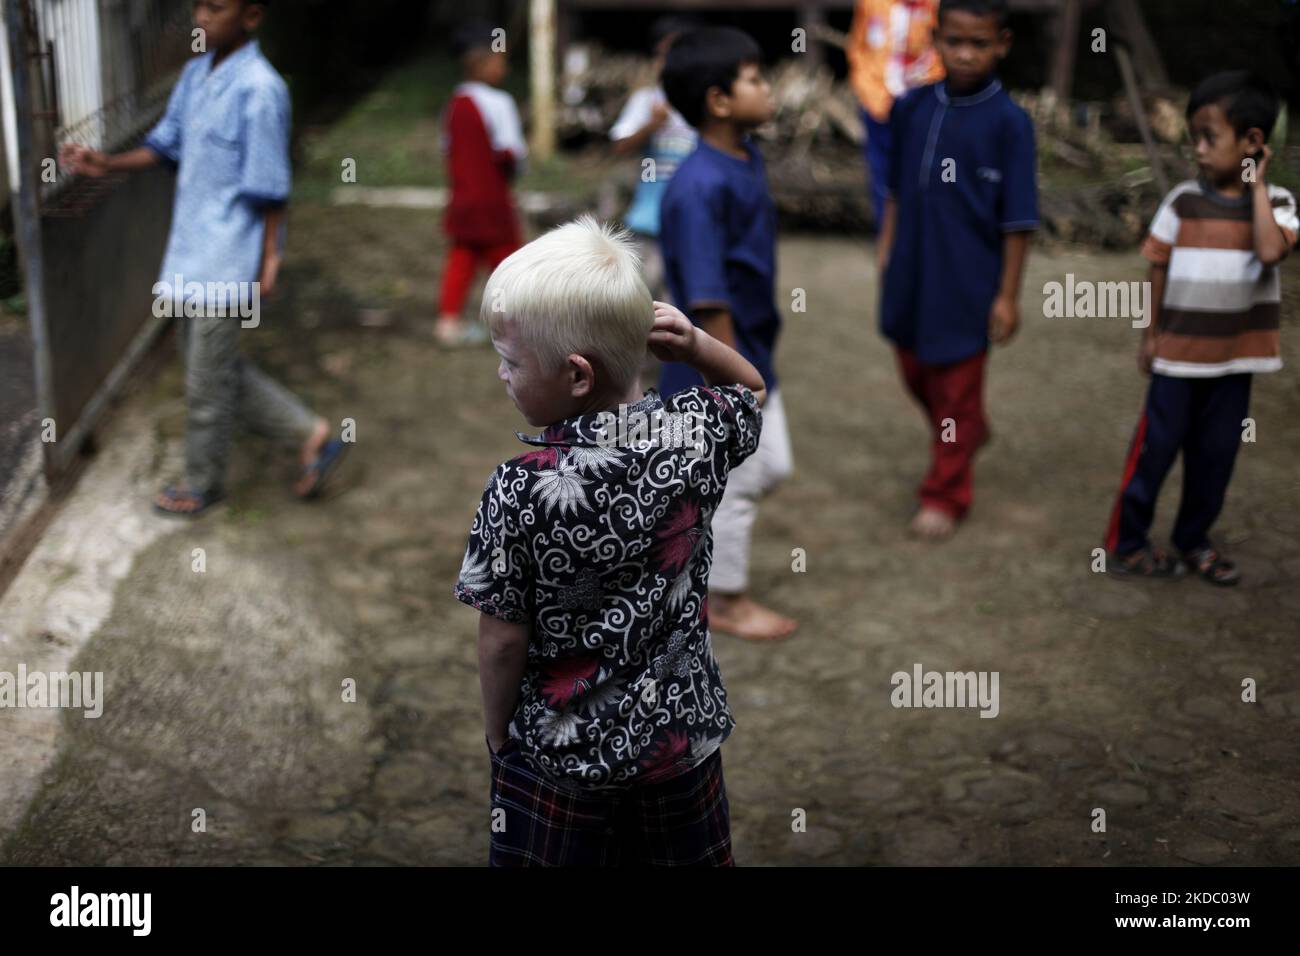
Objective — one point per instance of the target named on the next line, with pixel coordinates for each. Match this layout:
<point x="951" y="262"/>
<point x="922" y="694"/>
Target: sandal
<point x="173" y="496"/>
<point x="1214" y="567"/>
<point x="331" y="454"/>
<point x="1146" y="563"/>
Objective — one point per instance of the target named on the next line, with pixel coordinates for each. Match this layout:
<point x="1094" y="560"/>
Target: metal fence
<point x="96" y="72"/>
<point x="104" y="69"/>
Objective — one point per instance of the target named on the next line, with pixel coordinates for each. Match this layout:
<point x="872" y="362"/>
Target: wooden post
<point x="1140" y="115"/>
<point x="1125" y="19"/>
<point x="1067" y="45"/>
<point x="812" y="19"/>
<point x="541" y="62"/>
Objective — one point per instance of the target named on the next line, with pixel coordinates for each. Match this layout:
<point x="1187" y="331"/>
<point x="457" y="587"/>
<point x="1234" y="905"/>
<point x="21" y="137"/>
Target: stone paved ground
<point x="223" y="687"/>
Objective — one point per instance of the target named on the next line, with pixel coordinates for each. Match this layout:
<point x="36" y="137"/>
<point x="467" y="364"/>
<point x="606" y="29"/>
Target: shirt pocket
<point x="983" y="193"/>
<point x="222" y="159"/>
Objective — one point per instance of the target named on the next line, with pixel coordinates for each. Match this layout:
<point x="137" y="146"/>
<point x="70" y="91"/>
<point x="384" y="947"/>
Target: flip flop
<point x="1146" y="563"/>
<point x="1214" y="567"/>
<point x="174" y="495"/>
<point x="331" y="454"/>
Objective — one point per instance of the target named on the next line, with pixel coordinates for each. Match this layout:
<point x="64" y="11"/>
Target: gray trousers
<point x="223" y="388"/>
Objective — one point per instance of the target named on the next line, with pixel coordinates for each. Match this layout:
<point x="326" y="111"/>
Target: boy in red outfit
<point x="484" y="144"/>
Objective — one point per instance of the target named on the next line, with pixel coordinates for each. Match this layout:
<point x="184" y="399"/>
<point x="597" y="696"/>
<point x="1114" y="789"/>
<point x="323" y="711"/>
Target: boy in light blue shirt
<point x="226" y="131"/>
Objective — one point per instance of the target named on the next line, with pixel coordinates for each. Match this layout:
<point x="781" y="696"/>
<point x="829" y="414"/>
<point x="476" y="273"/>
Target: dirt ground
<point x="223" y="687"/>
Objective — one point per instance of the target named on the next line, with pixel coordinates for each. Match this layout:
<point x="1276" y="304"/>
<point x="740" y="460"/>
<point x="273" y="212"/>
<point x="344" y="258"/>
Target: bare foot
<point x="181" y="501"/>
<point x="447" y="330"/>
<point x="742" y="616"/>
<point x="310" y="451"/>
<point x="931" y="524"/>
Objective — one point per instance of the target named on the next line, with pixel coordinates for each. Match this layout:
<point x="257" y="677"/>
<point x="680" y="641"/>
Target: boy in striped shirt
<point x="1214" y="247"/>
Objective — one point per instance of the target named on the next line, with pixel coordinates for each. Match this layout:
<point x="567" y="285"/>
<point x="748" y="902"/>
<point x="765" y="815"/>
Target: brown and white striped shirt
<point x="1222" y="306"/>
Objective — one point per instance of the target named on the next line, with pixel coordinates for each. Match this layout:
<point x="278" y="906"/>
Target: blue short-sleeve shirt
<point x="227" y="132"/>
<point x="718" y="235"/>
<point x="963" y="175"/>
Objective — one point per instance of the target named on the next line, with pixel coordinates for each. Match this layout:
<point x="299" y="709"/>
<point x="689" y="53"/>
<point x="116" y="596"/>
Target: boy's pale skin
<point x="545" y="395"/>
<point x="971" y="46"/>
<point x="1220" y="154"/>
<point x="481" y="66"/>
<point x="227" y="26"/>
<point x="728" y="116"/>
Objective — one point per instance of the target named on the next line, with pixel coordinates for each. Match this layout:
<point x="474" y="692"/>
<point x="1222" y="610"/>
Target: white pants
<point x="757" y="475"/>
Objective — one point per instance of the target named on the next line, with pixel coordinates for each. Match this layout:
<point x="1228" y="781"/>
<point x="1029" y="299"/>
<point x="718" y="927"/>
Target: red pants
<point x="462" y="261"/>
<point x="953" y="399"/>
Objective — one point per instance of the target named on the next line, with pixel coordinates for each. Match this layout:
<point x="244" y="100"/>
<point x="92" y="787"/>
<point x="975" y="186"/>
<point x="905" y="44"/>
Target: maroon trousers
<point x="463" y="261"/>
<point x="952" y="397"/>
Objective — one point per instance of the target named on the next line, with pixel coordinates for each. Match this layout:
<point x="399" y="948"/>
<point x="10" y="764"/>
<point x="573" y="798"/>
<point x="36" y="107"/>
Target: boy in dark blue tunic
<point x="963" y="200"/>
<point x="718" y="236"/>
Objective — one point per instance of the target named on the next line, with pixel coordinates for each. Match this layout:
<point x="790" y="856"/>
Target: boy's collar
<point x="247" y="49"/>
<point x="592" y="428"/>
<point x="988" y="91"/>
<point x="1212" y="194"/>
<point x="746" y="143"/>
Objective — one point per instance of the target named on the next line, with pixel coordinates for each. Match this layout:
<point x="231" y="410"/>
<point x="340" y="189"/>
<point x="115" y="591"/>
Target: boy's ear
<point x="253" y="14"/>
<point x="582" y="376"/>
<point x="1255" y="138"/>
<point x="717" y="103"/>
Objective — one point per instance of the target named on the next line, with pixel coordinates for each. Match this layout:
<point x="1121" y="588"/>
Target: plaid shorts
<point x="682" y="821"/>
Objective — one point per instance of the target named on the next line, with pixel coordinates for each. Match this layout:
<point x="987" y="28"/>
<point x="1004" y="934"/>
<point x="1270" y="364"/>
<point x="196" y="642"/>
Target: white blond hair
<point x="576" y="289"/>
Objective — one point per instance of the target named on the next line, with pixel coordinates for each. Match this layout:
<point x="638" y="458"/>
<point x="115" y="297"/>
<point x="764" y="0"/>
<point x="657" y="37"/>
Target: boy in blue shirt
<point x="226" y="130"/>
<point x="963" y="200"/>
<point x="718" y="237"/>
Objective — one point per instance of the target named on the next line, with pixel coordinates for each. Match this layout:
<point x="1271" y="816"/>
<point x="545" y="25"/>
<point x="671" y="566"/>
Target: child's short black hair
<point x="471" y="35"/>
<point x="672" y="23"/>
<point x="981" y="8"/>
<point x="703" y="59"/>
<point x="1248" y="101"/>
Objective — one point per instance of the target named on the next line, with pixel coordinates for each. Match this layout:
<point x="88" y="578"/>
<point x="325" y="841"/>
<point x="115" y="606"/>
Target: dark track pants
<point x="1202" y="418"/>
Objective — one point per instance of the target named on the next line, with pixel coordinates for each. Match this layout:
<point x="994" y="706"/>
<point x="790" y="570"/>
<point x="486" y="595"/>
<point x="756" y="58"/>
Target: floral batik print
<point x="604" y="550"/>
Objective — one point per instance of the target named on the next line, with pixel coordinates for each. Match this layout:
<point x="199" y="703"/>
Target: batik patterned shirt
<point x="600" y="539"/>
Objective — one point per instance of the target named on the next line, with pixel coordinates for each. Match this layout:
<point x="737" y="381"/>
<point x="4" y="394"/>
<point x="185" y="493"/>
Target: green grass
<point x="392" y="134"/>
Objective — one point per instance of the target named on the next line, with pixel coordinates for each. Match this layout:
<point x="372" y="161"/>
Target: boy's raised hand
<point x="674" y="337"/>
<point x="1262" y="158"/>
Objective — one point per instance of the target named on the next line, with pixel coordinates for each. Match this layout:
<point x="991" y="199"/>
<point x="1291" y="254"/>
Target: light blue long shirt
<point x="227" y="130"/>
